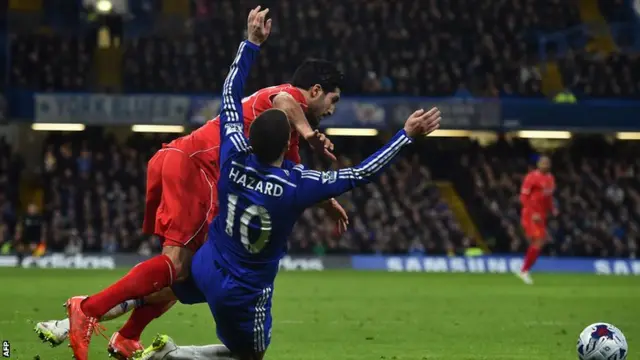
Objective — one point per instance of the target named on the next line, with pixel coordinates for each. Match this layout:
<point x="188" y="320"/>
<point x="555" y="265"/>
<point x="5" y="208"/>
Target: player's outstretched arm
<point x="318" y="141"/>
<point x="315" y="186"/>
<point x="232" y="138"/>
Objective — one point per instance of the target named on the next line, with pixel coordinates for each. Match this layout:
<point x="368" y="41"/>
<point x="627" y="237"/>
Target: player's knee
<point x="537" y="242"/>
<point x="181" y="260"/>
<point x="165" y="295"/>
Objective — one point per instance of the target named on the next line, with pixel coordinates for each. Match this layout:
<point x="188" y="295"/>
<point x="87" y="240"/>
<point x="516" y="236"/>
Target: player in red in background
<point x="536" y="197"/>
<point x="181" y="200"/>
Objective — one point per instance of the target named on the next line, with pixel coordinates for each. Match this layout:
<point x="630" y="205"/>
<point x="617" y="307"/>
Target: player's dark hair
<point x="269" y="135"/>
<point x="316" y="71"/>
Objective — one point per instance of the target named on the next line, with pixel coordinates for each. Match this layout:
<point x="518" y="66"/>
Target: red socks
<point x="144" y="279"/>
<point x="530" y="258"/>
<point x="141" y="317"/>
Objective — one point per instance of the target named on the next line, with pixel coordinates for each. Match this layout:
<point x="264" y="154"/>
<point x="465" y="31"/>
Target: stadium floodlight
<point x="351" y="132"/>
<point x="450" y="133"/>
<point x="535" y="134"/>
<point x="104" y="6"/>
<point x="628" y="136"/>
<point x="57" y="127"/>
<point x="158" y="128"/>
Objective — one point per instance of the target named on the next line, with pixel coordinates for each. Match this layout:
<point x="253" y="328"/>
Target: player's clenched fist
<point x="422" y="122"/>
<point x="258" y="29"/>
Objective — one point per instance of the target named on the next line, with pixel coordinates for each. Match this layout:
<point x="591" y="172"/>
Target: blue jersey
<point x="259" y="204"/>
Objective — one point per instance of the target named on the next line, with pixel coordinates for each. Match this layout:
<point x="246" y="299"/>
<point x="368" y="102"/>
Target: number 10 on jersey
<point x="245" y="219"/>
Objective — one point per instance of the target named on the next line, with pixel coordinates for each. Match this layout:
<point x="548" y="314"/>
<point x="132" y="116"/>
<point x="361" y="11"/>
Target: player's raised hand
<point x="321" y="144"/>
<point x="258" y="29"/>
<point x="422" y="122"/>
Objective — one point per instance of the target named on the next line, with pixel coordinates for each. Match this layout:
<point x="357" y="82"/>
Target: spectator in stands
<point x="481" y="43"/>
<point x="49" y="62"/>
<point x="480" y="47"/>
<point x="10" y="171"/>
<point x="101" y="210"/>
<point x="30" y="232"/>
<point x="401" y="213"/>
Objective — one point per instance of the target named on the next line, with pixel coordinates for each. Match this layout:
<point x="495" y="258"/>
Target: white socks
<point x="114" y="313"/>
<point x="121" y="309"/>
<point x="206" y="352"/>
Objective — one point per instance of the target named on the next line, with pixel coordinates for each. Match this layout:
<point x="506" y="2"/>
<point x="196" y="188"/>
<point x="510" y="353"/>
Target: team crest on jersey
<point x="329" y="177"/>
<point x="232" y="128"/>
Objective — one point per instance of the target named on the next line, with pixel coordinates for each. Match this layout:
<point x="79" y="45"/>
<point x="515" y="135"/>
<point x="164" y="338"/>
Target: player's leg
<point x="189" y="293"/>
<point x="55" y="332"/>
<point x="187" y="204"/>
<point x="24" y="248"/>
<point x="20" y="252"/>
<point x="536" y="234"/>
<point x="164" y="348"/>
<point x="145" y="278"/>
<point x="243" y="316"/>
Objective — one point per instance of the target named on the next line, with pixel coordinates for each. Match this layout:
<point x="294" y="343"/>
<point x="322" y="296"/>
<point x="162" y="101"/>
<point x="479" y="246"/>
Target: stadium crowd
<point x="94" y="185"/>
<point x="94" y="193"/>
<point x="483" y="47"/>
<point x="477" y="48"/>
<point x="49" y="62"/>
<point x="596" y="76"/>
<point x="94" y="198"/>
<point x="10" y="171"/>
<point x="94" y="202"/>
<point x="598" y="196"/>
<point x="403" y="212"/>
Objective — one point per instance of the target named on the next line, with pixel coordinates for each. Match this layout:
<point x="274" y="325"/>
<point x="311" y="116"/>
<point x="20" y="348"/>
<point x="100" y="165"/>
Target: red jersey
<point x="203" y="144"/>
<point x="536" y="194"/>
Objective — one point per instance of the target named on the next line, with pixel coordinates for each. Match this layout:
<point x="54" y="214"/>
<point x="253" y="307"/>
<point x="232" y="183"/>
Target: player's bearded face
<point x="322" y="105"/>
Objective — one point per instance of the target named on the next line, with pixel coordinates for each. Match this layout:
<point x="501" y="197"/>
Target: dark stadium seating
<point x="94" y="184"/>
<point x="94" y="195"/>
<point x="615" y="10"/>
<point x="403" y="212"/>
<point x="428" y="47"/>
<point x="49" y="62"/>
<point x="94" y="192"/>
<point x="598" y="196"/>
<point x="597" y="76"/>
<point x="10" y="170"/>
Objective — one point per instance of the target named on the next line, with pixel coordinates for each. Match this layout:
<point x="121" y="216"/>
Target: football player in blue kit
<point x="261" y="197"/>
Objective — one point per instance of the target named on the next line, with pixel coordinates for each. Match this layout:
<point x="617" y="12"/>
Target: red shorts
<point x="534" y="230"/>
<point x="181" y="201"/>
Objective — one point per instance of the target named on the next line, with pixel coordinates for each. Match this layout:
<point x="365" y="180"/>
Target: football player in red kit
<point x="536" y="197"/>
<point x="181" y="200"/>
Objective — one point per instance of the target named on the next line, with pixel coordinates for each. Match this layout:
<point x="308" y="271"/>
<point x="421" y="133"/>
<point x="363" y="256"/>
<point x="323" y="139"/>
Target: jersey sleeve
<point x="525" y="190"/>
<point x="293" y="154"/>
<point x="297" y="95"/>
<point x="232" y="140"/>
<point x="314" y="186"/>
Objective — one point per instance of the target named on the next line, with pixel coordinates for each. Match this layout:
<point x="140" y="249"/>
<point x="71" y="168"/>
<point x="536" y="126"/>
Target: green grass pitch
<point x="364" y="316"/>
